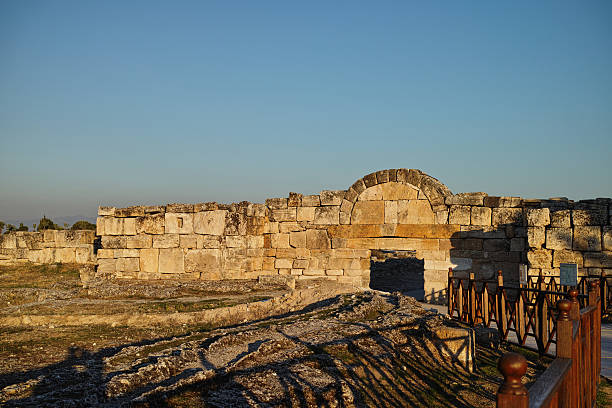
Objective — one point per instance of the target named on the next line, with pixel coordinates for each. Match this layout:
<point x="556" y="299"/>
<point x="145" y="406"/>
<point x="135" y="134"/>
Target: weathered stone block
<point x="151" y="224"/>
<point x="154" y="209"/>
<point x="65" y="255"/>
<point x="414" y="212"/>
<point x="109" y="242"/>
<point x="128" y="264"/>
<point x="311" y="201"/>
<point x="539" y="258"/>
<point x="607" y="238"/>
<point x="172" y="260"/>
<point x="83" y="255"/>
<point x="459" y="214"/>
<point x="328" y="215"/>
<point x="166" y="241"/>
<point x="113" y="226"/>
<point x="106" y="211"/>
<point x="493" y="245"/>
<point x="134" y="211"/>
<point x="210" y="222"/>
<point x="305" y="213"/>
<point x="332" y="197"/>
<point x="559" y="238"/>
<point x="598" y="259"/>
<point x="207" y="262"/>
<point x="129" y="226"/>
<point x="209" y="241"/>
<point x="180" y="208"/>
<point x="188" y="241"/>
<point x="255" y="241"/>
<point x="398" y="191"/>
<point x="536" y="236"/>
<point x="390" y="212"/>
<point x="100" y="223"/>
<point x="295" y="200"/>
<point x="125" y="253"/>
<point x="491" y="201"/>
<point x="517" y="244"/>
<point x="441" y="217"/>
<point x="563" y="256"/>
<point x="289" y="226"/>
<point x="276" y="203"/>
<point x="106" y="266"/>
<point x="480" y="216"/>
<point x="373" y="193"/>
<point x="283" y="263"/>
<point x="284" y="214"/>
<point x="368" y="212"/>
<point x="537" y="217"/>
<point x="297" y="239"/>
<point x="179" y="223"/>
<point x="587" y="238"/>
<point x="589" y="217"/>
<point x="465" y="199"/>
<point x="507" y="216"/>
<point x="149" y="260"/>
<point x="317" y="239"/>
<point x="235" y="241"/>
<point x="280" y="241"/>
<point x="272" y="227"/>
<point x="560" y="219"/>
<point x="314" y="272"/>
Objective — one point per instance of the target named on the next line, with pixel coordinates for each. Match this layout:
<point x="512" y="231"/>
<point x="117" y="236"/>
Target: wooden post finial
<point x="575" y="306"/>
<point x="593" y="285"/>
<point x="564" y="307"/>
<point x="513" y="367"/>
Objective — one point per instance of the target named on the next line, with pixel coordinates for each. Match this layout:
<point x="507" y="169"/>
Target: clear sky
<point x="136" y="102"/>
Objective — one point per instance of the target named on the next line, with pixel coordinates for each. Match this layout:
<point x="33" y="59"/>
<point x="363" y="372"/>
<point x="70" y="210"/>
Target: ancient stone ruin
<point x="410" y="217"/>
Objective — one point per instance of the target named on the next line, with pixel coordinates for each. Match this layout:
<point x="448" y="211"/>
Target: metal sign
<point x="523" y="274"/>
<point x="568" y="274"/>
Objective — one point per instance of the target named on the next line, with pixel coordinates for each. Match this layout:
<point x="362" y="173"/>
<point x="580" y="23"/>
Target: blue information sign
<point x="568" y="273"/>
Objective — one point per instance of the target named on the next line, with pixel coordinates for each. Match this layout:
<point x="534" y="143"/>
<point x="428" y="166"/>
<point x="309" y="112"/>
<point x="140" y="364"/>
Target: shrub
<point x="83" y="225"/>
<point x="22" y="227"/>
<point x="46" y="224"/>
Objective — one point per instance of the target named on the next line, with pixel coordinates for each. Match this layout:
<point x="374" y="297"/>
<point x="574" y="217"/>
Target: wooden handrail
<point x="544" y="390"/>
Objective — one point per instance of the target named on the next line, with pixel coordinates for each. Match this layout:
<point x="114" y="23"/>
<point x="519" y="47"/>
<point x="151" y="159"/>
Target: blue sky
<point x="125" y="103"/>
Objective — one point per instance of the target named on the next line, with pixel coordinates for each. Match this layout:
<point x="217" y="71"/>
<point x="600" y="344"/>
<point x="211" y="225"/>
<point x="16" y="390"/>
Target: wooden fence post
<point x="512" y="393"/>
<point x="450" y="292"/>
<point x="472" y="299"/>
<point x="502" y="322"/>
<point x="575" y="310"/>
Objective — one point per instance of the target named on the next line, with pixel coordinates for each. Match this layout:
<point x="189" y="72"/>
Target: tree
<point x="46" y="224"/>
<point x="83" y="225"/>
<point x="22" y="227"/>
<point x="1" y="226"/>
<point x="10" y="228"/>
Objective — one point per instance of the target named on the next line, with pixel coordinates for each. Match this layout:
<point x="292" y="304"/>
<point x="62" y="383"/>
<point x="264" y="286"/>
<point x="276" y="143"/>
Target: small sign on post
<point x="568" y="274"/>
<point x="523" y="274"/>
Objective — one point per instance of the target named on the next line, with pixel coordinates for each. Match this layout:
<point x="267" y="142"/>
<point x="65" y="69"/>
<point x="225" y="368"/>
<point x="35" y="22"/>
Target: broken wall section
<point x="47" y="247"/>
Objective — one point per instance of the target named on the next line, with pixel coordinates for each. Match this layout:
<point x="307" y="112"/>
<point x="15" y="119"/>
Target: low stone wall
<point x="48" y="247"/>
<point x="332" y="234"/>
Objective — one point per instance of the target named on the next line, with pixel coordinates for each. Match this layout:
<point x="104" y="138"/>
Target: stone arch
<point x="433" y="190"/>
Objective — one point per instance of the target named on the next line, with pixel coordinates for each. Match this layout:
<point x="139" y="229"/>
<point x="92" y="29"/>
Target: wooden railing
<point x="572" y="378"/>
<point x="522" y="311"/>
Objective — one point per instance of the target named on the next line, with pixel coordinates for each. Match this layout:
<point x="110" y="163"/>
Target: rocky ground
<point x="355" y="349"/>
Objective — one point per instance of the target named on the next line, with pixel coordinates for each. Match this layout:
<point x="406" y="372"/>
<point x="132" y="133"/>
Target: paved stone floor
<point x="606" y="342"/>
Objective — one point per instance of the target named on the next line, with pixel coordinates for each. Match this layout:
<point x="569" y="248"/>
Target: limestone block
<point x="311" y="201"/>
<point x="479" y="216"/>
<point x="151" y="224"/>
<point x="149" y="260"/>
<point x="537" y="217"/>
<point x="305" y="213"/>
<point x="280" y="241"/>
<point x="129" y="226"/>
<point x="113" y="226"/>
<point x="273" y="227"/>
<point x="314" y="272"/>
<point x="209" y="241"/>
<point x="188" y="241"/>
<point x="587" y="238"/>
<point x="179" y="223"/>
<point x="297" y="239"/>
<point x="459" y="214"/>
<point x="492" y="245"/>
<point x="210" y="222"/>
<point x="466" y="199"/>
<point x="283" y="263"/>
<point x="258" y="210"/>
<point x="276" y="203"/>
<point x="65" y="255"/>
<point x="334" y="272"/>
<point x="559" y="238"/>
<point x="180" y="208"/>
<point x="110" y="242"/>
<point x="369" y="212"/>
<point x="254" y="264"/>
<point x="328" y="215"/>
<point x="517" y="244"/>
<point x="255" y="252"/>
<point x="300" y="263"/>
<point x="83" y="255"/>
<point x="296" y="272"/>
<point x="441" y="217"/>
<point x="560" y="219"/>
<point x="345" y="218"/>
<point x="506" y="202"/>
<point x="106" y="266"/>
<point x="536" y="236"/>
<point x="373" y="193"/>
<point x="284" y="214"/>
<point x="125" y="253"/>
<point x="48" y="236"/>
<point x="106" y="211"/>
<point x="332" y="197"/>
<point x="539" y="258"/>
<point x="563" y="256"/>
<point x="205" y="261"/>
<point x="128" y="264"/>
<point x="289" y="226"/>
<point x="398" y="191"/>
<point x="295" y="200"/>
<point x="235" y="241"/>
<point x="135" y="211"/>
<point x="37" y="256"/>
<point x="172" y="260"/>
<point x="414" y="212"/>
<point x="105" y="253"/>
<point x="598" y="259"/>
<point x="317" y="239"/>
<point x="166" y="241"/>
<point x="607" y="238"/>
<point x="268" y="263"/>
<point x="390" y="212"/>
<point x="100" y="222"/>
<point x="507" y="216"/>
<point x="589" y="217"/>
<point x="255" y="241"/>
<point x="346" y="206"/>
<point x="154" y="209"/>
<point x="9" y="241"/>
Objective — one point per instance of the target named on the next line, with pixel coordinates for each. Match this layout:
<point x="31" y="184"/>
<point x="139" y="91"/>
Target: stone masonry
<point x="48" y="247"/>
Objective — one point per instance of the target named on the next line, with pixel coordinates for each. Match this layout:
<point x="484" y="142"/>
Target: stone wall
<point x="47" y="247"/>
<point x="331" y="234"/>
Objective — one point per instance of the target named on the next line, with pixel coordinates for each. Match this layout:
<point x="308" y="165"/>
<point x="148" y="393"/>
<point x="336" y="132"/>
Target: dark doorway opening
<point x="402" y="271"/>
